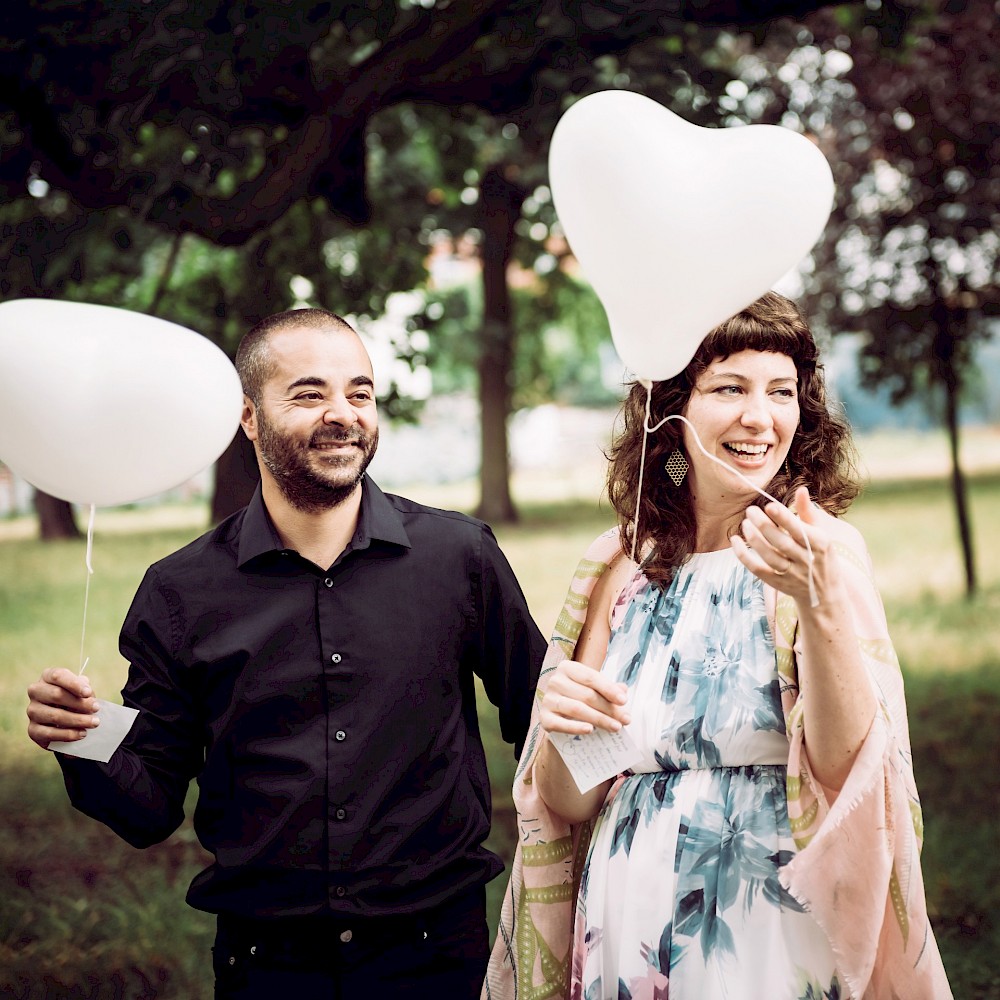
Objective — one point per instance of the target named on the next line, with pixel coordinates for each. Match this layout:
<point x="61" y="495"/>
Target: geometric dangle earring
<point x="677" y="466"/>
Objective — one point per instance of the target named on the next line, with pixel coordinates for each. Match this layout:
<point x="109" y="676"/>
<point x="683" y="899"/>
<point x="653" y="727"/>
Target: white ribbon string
<point x="86" y="591"/>
<point x="647" y="430"/>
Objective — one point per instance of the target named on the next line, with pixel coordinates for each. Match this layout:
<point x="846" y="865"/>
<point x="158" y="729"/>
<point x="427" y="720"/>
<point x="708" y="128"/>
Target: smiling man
<point x="311" y="663"/>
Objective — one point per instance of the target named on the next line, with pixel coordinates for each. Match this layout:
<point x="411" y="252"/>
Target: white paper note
<point x="102" y="742"/>
<point x="596" y="756"/>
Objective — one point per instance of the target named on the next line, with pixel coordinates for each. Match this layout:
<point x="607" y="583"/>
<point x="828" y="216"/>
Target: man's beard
<point x="302" y="486"/>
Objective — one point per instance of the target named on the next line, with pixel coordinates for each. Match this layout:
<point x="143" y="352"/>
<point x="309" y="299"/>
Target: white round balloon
<point x="678" y="227"/>
<point x="105" y="406"/>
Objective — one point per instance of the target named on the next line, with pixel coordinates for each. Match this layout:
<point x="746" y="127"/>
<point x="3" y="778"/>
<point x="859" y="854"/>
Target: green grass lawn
<point x="86" y="916"/>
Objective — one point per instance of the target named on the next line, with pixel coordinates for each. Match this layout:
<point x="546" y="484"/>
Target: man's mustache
<point x="341" y="437"/>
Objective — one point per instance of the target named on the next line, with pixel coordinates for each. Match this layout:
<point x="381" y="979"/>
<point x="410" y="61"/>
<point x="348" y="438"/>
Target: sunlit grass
<point x="85" y="915"/>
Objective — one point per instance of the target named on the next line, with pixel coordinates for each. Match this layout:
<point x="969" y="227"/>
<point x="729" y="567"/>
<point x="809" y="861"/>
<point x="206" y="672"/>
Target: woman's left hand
<point x="773" y="548"/>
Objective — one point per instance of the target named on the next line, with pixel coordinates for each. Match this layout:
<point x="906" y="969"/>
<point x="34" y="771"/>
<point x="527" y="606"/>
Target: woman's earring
<point x="677" y="466"/>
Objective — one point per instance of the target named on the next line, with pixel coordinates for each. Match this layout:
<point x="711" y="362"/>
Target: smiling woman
<point x="818" y="451"/>
<point x="744" y="409"/>
<point x="744" y="652"/>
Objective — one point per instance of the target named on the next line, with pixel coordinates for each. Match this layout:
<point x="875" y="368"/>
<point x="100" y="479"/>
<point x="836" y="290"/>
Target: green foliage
<point x="421" y="161"/>
<point x="559" y="358"/>
<point x="901" y="100"/>
<point x="563" y="360"/>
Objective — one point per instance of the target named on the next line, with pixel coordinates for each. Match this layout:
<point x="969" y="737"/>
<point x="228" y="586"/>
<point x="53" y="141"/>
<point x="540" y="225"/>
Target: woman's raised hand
<point x="773" y="548"/>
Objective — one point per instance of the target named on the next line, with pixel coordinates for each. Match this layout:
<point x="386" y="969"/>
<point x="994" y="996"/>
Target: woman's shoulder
<point x="605" y="548"/>
<point x="614" y="566"/>
<point x="617" y="572"/>
<point x="839" y="529"/>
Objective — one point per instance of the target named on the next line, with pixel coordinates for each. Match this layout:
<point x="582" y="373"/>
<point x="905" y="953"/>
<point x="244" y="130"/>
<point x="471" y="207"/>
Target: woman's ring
<point x="782" y="572"/>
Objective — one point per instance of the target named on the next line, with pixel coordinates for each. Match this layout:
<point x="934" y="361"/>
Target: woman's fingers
<point x="579" y="698"/>
<point x="766" y="550"/>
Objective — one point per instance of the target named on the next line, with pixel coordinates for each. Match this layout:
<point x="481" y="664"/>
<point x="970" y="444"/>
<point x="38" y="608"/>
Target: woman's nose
<point x="756" y="412"/>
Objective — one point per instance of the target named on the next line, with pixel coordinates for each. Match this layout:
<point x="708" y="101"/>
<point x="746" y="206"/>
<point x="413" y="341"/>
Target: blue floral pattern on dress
<point x="680" y="893"/>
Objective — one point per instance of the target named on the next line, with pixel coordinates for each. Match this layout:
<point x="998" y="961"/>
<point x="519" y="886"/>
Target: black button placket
<point x="335" y="672"/>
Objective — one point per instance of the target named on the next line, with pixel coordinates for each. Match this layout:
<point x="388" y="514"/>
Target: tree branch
<point x="433" y="57"/>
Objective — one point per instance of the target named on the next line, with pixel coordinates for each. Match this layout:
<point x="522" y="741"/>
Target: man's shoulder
<point x="413" y="511"/>
<point x="218" y="543"/>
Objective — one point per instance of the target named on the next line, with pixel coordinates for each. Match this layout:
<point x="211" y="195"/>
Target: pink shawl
<point x="857" y="869"/>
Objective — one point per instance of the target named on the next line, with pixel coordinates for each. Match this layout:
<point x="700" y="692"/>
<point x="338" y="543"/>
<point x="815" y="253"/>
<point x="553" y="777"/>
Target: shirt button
<point x="341" y="891"/>
<point x="328" y="582"/>
<point x="341" y="814"/>
<point x="335" y="658"/>
<point x="346" y="936"/>
<point x="341" y="736"/>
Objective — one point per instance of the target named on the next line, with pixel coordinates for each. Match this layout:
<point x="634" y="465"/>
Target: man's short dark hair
<point x="253" y="363"/>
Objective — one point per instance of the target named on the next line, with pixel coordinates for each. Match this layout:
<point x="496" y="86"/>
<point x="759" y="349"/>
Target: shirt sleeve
<point x="512" y="647"/>
<point x="140" y="792"/>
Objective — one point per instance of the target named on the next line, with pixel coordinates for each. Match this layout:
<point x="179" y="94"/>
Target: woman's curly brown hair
<point x="821" y="456"/>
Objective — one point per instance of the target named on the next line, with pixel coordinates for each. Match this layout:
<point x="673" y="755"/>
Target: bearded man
<point x="311" y="661"/>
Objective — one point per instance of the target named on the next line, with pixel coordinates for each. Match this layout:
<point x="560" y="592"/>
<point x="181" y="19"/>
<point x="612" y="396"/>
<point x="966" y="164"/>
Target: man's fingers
<point x="67" y="680"/>
<point x="44" y="735"/>
<point x="51" y="695"/>
<point x="51" y="716"/>
<point x="61" y="706"/>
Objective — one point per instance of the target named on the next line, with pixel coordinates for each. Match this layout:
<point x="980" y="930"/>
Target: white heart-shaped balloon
<point x="105" y="406"/>
<point x="679" y="227"/>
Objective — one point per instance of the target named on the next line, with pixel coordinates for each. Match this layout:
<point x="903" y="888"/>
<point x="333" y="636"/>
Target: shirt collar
<point x="378" y="521"/>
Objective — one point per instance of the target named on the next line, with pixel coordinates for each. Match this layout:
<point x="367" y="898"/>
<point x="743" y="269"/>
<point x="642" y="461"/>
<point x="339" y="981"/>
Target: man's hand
<point x="61" y="707"/>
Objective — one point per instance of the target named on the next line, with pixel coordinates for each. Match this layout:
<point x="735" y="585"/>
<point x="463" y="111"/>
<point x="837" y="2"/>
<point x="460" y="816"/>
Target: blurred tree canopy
<point x="270" y="100"/>
<point x="903" y="99"/>
<point x="193" y="159"/>
<point x="198" y="159"/>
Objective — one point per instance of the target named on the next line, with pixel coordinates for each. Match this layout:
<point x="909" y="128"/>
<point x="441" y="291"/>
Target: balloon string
<point x="647" y="430"/>
<point x="86" y="591"/>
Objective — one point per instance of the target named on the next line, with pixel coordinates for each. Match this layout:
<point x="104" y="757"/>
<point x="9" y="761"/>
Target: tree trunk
<point x="236" y="477"/>
<point x="55" y="518"/>
<point x="944" y="348"/>
<point x="499" y="209"/>
<point x="236" y="471"/>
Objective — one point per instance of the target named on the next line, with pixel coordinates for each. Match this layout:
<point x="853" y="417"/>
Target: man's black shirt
<point x="329" y="716"/>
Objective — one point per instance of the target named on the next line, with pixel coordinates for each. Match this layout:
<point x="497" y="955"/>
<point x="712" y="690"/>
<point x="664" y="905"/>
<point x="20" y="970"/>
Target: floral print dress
<point x="681" y="883"/>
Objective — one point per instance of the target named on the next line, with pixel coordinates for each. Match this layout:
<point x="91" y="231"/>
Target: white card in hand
<point x="102" y="742"/>
<point x="596" y="756"/>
